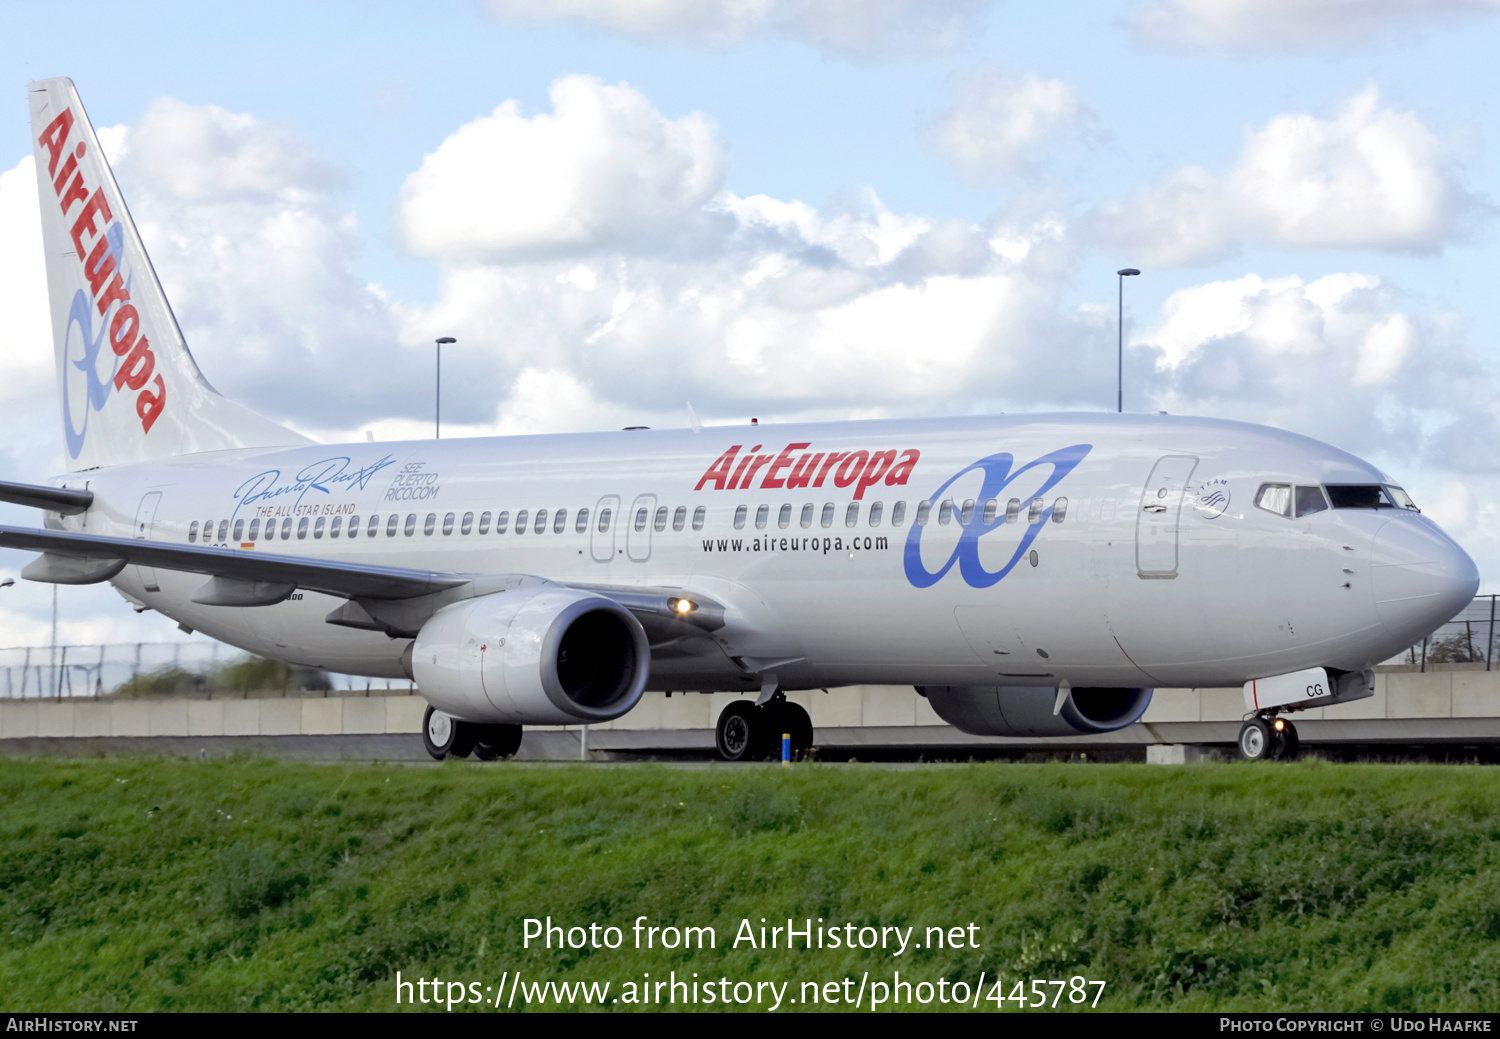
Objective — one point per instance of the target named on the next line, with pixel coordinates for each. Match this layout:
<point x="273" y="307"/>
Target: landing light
<point x="1280" y="724"/>
<point x="682" y="605"/>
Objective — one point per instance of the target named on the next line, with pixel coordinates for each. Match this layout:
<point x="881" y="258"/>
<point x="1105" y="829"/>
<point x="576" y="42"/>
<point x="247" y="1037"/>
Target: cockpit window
<point x="1275" y="497"/>
<point x="1310" y="500"/>
<point x="1369" y="496"/>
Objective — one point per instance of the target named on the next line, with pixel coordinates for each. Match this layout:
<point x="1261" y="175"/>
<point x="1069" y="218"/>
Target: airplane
<point x="1031" y="575"/>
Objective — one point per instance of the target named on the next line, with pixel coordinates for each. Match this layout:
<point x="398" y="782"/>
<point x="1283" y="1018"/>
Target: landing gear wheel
<point x="740" y="733"/>
<point x="438" y="732"/>
<point x="445" y="736"/>
<point x="497" y="741"/>
<point x="1256" y="740"/>
<point x="793" y="719"/>
<point x="1288" y="746"/>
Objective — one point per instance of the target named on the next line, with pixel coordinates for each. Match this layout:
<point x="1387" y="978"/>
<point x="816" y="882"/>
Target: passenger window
<point x="945" y="512"/>
<point x="924" y="513"/>
<point x="354" y="526"/>
<point x="1310" y="500"/>
<point x="333" y="528"/>
<point x="876" y="508"/>
<point x="1013" y="510"/>
<point x="807" y="515"/>
<point x="302" y="529"/>
<point x="699" y="514"/>
<point x="604" y="518"/>
<point x="581" y="524"/>
<point x="521" y="517"/>
<point x="660" y="523"/>
<point x="1275" y="497"/>
<point x="784" y="516"/>
<point x="208" y="531"/>
<point x="255" y="530"/>
<point x="679" y="518"/>
<point x="318" y="525"/>
<point x="968" y="514"/>
<point x="448" y="523"/>
<point x="224" y="530"/>
<point x="641" y="516"/>
<point x="739" y="518"/>
<point x="374" y="526"/>
<point x="192" y="532"/>
<point x="762" y="514"/>
<point x="484" y="523"/>
<point x="286" y="529"/>
<point x="540" y="525"/>
<point x="560" y="521"/>
<point x="827" y="519"/>
<point x="430" y="525"/>
<point x="1059" y="510"/>
<point x="1034" y="513"/>
<point x="851" y="514"/>
<point x="898" y="514"/>
<point x="467" y="524"/>
<point x="502" y="520"/>
<point x="991" y="508"/>
<point x="239" y="528"/>
<point x="411" y="524"/>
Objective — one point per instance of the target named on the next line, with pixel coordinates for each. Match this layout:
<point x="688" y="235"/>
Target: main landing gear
<point x="751" y="732"/>
<point x="446" y="737"/>
<point x="1267" y="737"/>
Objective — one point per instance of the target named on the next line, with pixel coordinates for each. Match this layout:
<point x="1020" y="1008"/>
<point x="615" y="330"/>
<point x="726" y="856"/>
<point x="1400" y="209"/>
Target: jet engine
<point x="532" y="656"/>
<point x="1033" y="710"/>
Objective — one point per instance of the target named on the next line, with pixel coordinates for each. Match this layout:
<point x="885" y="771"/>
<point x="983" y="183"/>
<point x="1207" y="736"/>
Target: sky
<point x="789" y="209"/>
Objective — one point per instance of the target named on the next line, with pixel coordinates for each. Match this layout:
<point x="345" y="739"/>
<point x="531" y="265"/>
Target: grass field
<point x="157" y="885"/>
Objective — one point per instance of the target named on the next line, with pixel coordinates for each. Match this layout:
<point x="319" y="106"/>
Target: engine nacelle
<point x="532" y="656"/>
<point x="1028" y="710"/>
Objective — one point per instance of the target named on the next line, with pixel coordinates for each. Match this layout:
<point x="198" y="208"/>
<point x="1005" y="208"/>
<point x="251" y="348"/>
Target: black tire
<point x="438" y="732"/>
<point x="740" y="732"/>
<point x="497" y="741"/>
<point x="793" y="718"/>
<point x="1257" y="743"/>
<point x="1289" y="745"/>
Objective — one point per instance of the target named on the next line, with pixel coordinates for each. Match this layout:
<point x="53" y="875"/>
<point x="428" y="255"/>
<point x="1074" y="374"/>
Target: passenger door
<point x="145" y="519"/>
<point x="1161" y="510"/>
<point x="602" y="528"/>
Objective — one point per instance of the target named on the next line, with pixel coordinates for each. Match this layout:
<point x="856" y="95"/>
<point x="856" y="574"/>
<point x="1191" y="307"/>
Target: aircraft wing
<point x="348" y="580"/>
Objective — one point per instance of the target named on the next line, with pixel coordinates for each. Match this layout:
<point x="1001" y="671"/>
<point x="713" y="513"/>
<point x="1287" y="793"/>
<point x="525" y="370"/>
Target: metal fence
<point x="205" y="668"/>
<point x="209" y="668"/>
<point x="1468" y="638"/>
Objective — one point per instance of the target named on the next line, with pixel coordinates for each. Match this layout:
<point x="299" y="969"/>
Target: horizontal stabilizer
<point x="65" y="500"/>
<point x="346" y="580"/>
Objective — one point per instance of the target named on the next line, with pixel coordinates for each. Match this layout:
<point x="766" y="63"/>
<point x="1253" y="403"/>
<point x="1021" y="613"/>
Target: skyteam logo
<point x="998" y="475"/>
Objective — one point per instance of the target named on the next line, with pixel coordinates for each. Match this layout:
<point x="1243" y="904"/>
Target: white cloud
<point x="1347" y="358"/>
<point x="856" y="28"/>
<point x="1368" y="178"/>
<point x="999" y="125"/>
<point x="1287" y="24"/>
<point x="603" y="170"/>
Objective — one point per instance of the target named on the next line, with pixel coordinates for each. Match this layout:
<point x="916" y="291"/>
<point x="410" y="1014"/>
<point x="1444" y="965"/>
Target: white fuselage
<point x="1161" y="571"/>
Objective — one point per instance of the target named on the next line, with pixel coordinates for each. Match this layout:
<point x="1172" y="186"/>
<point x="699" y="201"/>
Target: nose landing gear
<point x="1268" y="737"/>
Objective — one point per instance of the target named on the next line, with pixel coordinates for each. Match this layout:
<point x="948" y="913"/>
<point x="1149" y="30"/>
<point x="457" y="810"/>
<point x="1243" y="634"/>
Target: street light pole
<point x="437" y="407"/>
<point x="1124" y="272"/>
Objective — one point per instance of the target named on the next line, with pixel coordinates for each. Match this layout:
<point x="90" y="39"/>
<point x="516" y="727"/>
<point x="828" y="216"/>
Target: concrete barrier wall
<point x="1398" y="696"/>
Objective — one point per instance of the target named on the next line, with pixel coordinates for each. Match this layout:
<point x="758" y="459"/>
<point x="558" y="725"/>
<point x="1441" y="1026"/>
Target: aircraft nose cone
<point x="1420" y="576"/>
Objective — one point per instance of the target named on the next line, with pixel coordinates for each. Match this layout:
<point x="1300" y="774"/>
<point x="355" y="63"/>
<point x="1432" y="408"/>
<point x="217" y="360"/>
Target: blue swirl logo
<point x="96" y="390"/>
<point x="998" y="474"/>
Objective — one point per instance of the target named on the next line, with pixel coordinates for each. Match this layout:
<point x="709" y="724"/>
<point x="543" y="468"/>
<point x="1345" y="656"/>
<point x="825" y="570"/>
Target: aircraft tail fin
<point x="130" y="388"/>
